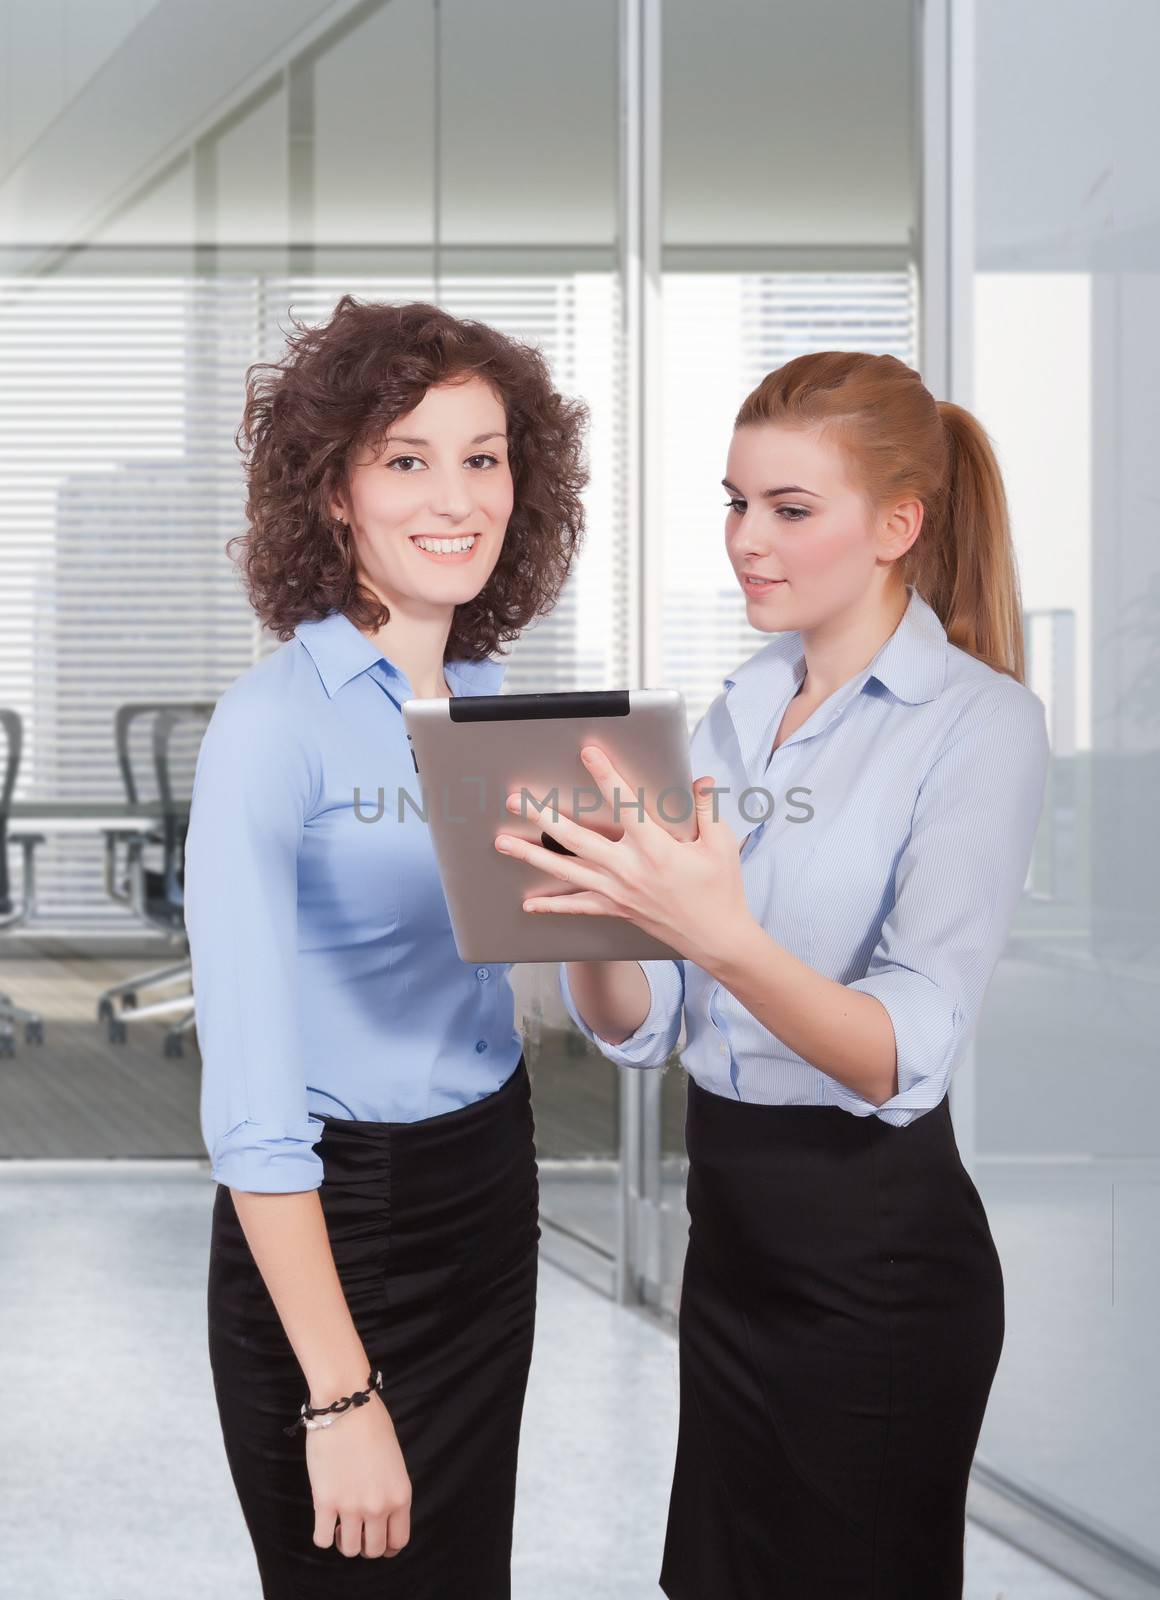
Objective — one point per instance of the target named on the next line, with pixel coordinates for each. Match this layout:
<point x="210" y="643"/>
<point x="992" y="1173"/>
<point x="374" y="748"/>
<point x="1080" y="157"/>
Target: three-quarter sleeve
<point x="957" y="884"/>
<point x="655" y="1040"/>
<point x="252" y="788"/>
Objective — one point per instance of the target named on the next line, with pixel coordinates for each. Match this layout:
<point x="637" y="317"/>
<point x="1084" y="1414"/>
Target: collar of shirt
<point x="911" y="665"/>
<point x="341" y="652"/>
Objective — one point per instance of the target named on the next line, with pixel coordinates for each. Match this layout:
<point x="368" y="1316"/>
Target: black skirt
<point x="434" y="1229"/>
<point x="841" y="1320"/>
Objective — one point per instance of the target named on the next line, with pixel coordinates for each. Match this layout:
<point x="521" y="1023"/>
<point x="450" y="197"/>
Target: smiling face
<point x="428" y="507"/>
<point x="795" y="517"/>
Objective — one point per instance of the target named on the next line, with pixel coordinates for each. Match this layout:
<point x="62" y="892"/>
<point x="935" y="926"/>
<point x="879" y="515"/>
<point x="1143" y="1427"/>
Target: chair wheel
<point x="118" y="1032"/>
<point x="34" y="1033"/>
<point x="104" y="1011"/>
<point x="128" y="1001"/>
<point x="7" y="1045"/>
<point x="173" y="1045"/>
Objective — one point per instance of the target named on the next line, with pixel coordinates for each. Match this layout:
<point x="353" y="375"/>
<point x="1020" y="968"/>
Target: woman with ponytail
<point x="882" y="767"/>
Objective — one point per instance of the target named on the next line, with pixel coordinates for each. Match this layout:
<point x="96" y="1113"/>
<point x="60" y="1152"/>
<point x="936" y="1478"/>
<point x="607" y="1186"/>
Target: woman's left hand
<point x="688" y="895"/>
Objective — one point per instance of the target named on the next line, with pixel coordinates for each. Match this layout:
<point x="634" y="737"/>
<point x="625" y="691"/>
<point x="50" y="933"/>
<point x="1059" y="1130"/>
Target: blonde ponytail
<point x="900" y="443"/>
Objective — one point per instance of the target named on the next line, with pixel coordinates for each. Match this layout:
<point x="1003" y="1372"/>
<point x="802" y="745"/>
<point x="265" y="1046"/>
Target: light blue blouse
<point x="896" y="847"/>
<point x="326" y="978"/>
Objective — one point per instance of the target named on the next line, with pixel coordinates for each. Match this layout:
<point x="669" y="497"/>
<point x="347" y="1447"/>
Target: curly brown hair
<point x="339" y="388"/>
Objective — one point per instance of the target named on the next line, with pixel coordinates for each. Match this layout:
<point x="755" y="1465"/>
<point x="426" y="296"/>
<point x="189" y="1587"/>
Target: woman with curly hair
<point x="414" y="498"/>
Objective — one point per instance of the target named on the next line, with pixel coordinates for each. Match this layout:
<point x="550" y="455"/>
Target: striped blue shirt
<point x="325" y="974"/>
<point x="901" y="819"/>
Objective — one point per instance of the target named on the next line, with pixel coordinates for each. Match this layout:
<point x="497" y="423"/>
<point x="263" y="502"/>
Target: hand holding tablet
<point x="472" y="753"/>
<point x="642" y="875"/>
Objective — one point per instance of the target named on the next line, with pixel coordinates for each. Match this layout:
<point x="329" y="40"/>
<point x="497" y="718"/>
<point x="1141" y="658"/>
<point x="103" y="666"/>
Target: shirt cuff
<point x="928" y="1030"/>
<point x="655" y="1040"/>
<point x="261" y="1159"/>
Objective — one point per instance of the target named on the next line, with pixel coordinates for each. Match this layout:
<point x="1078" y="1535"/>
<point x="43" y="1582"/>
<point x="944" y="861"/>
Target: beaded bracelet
<point x="308" y="1413"/>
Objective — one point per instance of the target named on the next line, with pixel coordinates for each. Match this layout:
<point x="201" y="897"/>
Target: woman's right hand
<point x="358" y="1478"/>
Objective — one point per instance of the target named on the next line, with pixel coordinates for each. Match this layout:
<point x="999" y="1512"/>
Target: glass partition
<point x="1067" y="312"/>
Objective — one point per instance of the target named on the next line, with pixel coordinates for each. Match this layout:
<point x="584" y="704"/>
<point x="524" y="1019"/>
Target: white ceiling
<point x="785" y="124"/>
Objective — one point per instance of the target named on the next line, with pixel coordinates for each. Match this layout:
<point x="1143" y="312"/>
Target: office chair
<point x="155" y="895"/>
<point x="11" y="914"/>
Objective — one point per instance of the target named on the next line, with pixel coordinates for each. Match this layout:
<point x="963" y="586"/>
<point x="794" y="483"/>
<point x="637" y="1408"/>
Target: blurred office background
<point x="670" y="197"/>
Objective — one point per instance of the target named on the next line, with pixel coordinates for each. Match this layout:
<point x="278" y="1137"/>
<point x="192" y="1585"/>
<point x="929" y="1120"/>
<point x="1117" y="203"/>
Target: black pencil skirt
<point x="841" y="1320"/>
<point x="434" y="1229"/>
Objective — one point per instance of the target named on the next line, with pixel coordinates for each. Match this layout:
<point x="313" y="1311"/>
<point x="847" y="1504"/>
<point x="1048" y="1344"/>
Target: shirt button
<point x="721" y="1049"/>
<point x="480" y="1046"/>
<point x="481" y="973"/>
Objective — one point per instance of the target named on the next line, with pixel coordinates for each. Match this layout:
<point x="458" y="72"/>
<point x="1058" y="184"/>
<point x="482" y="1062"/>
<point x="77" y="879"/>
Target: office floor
<point x="118" y="1473"/>
<point x="79" y="1096"/>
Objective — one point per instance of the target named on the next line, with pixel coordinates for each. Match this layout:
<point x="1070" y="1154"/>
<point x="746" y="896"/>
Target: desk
<point x="120" y="821"/>
<point x="123" y="824"/>
<point x="92" y="816"/>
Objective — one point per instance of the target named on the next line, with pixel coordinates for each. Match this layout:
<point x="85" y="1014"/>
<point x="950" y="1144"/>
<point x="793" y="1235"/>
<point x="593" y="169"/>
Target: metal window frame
<point x="945" y="174"/>
<point x="640" y="244"/>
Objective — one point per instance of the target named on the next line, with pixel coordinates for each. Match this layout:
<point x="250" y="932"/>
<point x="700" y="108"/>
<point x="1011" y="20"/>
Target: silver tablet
<point x="472" y="751"/>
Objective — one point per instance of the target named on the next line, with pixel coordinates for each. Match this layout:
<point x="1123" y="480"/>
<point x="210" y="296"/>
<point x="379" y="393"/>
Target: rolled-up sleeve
<point x="253" y="785"/>
<point x="957" y="884"/>
<point x="655" y="1040"/>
